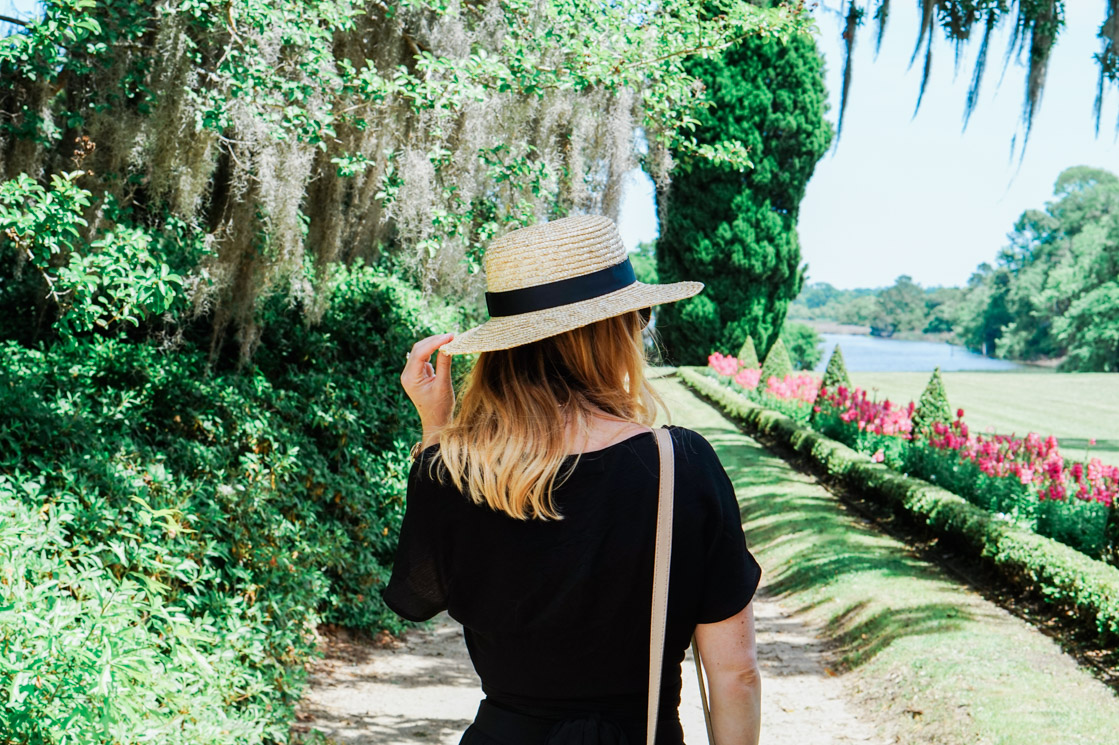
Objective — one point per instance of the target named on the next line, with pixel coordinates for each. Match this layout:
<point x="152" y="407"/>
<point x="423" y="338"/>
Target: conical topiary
<point x="836" y="373"/>
<point x="748" y="356"/>
<point x="932" y="407"/>
<point x="777" y="363"/>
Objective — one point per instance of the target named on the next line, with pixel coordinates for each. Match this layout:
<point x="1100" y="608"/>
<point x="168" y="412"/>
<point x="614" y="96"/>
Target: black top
<point x="556" y="613"/>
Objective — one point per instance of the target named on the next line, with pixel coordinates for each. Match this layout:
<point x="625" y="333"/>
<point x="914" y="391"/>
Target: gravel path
<point x="422" y="688"/>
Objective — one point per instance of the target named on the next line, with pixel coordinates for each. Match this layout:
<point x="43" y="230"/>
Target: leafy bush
<point x="114" y="277"/>
<point x="932" y="407"/>
<point x="777" y="363"/>
<point x="96" y="653"/>
<point x="835" y="375"/>
<point x="196" y="524"/>
<point x="802" y="342"/>
<point x="748" y="355"/>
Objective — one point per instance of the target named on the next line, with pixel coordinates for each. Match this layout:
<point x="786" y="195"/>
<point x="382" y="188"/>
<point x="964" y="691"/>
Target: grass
<point x="1073" y="407"/>
<point x="933" y="660"/>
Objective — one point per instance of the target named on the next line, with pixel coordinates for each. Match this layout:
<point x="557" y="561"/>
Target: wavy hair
<point x="505" y="446"/>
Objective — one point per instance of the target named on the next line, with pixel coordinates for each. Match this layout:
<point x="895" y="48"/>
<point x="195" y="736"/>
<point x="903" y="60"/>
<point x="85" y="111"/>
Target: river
<point x="874" y="354"/>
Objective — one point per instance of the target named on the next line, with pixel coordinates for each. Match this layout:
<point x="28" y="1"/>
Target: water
<point x="874" y="354"/>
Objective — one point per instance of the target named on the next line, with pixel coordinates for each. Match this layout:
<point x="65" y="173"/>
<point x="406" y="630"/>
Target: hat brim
<point x="506" y="332"/>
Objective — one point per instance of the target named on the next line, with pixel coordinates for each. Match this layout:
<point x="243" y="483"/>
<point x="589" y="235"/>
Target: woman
<point x="531" y="510"/>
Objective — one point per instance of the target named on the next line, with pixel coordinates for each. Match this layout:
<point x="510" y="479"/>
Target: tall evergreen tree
<point x="735" y="230"/>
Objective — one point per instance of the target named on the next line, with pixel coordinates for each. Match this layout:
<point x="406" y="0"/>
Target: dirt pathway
<point x="424" y="690"/>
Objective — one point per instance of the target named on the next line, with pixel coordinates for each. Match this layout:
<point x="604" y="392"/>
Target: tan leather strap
<point x="662" y="555"/>
<point x="703" y="692"/>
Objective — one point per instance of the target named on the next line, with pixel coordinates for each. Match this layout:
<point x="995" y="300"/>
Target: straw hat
<point x="546" y="279"/>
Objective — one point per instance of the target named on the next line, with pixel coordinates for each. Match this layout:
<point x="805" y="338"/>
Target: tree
<point x="835" y="375"/>
<point x="644" y="260"/>
<point x="736" y="230"/>
<point x="900" y="308"/>
<point x="748" y="354"/>
<point x="1037" y="27"/>
<point x="1052" y="294"/>
<point x="278" y="141"/>
<point x="802" y="343"/>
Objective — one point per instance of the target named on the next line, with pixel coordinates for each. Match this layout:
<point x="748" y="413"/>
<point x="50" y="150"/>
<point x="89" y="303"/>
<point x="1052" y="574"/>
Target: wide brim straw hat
<point x="550" y="278"/>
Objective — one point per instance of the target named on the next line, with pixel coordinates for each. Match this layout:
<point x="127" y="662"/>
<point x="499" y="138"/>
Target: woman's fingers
<point x="421" y="355"/>
<point x="443" y="371"/>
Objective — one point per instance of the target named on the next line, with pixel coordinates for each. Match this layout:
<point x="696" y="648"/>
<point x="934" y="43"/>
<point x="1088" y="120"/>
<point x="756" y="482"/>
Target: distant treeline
<point x="1053" y="292"/>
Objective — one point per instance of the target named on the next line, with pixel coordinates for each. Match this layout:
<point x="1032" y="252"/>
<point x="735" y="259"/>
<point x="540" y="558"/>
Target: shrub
<point x="748" y="355"/>
<point x="932" y="407"/>
<point x="835" y="375"/>
<point x="777" y="364"/>
<point x="802" y="343"/>
<point x="218" y="516"/>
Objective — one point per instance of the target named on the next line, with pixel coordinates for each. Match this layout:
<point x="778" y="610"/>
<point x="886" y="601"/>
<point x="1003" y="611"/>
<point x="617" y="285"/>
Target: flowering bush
<point x="1033" y="461"/>
<point x="792" y="394"/>
<point x="878" y="417"/>
<point x="796" y="387"/>
<point x="724" y="365"/>
<point x="1025" y="478"/>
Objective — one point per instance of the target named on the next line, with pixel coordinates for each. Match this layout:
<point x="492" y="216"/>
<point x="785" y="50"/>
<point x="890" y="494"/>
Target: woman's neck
<point x="600" y="430"/>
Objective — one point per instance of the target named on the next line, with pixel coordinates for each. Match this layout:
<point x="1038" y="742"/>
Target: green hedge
<point x="172" y="531"/>
<point x="1061" y="574"/>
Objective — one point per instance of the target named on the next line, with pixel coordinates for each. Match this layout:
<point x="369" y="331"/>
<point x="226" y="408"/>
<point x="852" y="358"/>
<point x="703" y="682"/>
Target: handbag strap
<point x="662" y="554"/>
<point x="703" y="692"/>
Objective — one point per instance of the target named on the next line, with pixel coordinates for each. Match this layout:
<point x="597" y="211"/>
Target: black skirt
<point x="499" y="725"/>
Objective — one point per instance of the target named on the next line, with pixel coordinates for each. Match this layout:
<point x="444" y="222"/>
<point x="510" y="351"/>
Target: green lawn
<point x="933" y="661"/>
<point x="1074" y="407"/>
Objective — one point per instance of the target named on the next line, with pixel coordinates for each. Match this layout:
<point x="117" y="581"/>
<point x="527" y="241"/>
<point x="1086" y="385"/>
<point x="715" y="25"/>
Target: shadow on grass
<point x="822" y="546"/>
<point x="1074" y="448"/>
<point x="859" y="637"/>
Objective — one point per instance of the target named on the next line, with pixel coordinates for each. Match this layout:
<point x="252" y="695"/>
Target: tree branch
<point x="16" y="21"/>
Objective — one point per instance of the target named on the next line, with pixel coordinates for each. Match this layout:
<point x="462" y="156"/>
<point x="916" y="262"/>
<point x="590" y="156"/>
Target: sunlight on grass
<point x="933" y="659"/>
<point x="1075" y="407"/>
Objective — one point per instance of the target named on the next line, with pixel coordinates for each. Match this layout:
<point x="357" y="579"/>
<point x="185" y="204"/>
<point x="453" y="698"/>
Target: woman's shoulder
<point x="691" y="445"/>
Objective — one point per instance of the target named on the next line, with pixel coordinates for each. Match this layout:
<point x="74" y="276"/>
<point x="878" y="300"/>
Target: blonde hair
<point x="505" y="446"/>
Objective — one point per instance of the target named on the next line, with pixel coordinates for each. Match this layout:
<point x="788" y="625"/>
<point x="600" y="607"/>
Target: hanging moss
<point x="777" y="362"/>
<point x="290" y="137"/>
<point x="1037" y="25"/>
<point x="932" y="407"/>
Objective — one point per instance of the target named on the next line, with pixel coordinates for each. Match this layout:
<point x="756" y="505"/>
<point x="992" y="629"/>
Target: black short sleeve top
<point x="556" y="613"/>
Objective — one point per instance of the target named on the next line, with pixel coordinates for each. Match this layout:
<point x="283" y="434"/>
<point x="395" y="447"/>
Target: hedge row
<point x="172" y="530"/>
<point x="1061" y="574"/>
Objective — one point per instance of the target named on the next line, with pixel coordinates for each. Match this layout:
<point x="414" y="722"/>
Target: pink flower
<point x="879" y="456"/>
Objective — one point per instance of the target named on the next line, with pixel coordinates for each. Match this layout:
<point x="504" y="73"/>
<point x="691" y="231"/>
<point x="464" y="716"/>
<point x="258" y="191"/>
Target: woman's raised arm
<point x="429" y="386"/>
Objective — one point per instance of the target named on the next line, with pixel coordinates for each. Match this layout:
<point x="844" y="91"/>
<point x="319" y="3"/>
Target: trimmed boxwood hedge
<point x="1062" y="575"/>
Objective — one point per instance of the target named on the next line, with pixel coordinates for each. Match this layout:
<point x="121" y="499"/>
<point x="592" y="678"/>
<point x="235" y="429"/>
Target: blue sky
<point x="916" y="195"/>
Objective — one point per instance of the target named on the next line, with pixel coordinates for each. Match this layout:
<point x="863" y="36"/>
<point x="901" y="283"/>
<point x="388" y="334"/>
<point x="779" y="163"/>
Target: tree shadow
<point x="1073" y="448"/>
<point x="327" y="728"/>
<point x="859" y="634"/>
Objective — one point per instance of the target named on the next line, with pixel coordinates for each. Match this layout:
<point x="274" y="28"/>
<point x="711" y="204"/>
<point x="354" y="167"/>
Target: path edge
<point x="1059" y="574"/>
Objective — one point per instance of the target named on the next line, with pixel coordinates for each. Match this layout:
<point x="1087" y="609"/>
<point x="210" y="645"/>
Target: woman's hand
<point x="429" y="387"/>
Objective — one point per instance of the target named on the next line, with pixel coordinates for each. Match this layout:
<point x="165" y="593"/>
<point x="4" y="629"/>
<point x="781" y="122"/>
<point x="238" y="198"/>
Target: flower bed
<point x="1060" y="574"/>
<point x="1026" y="479"/>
